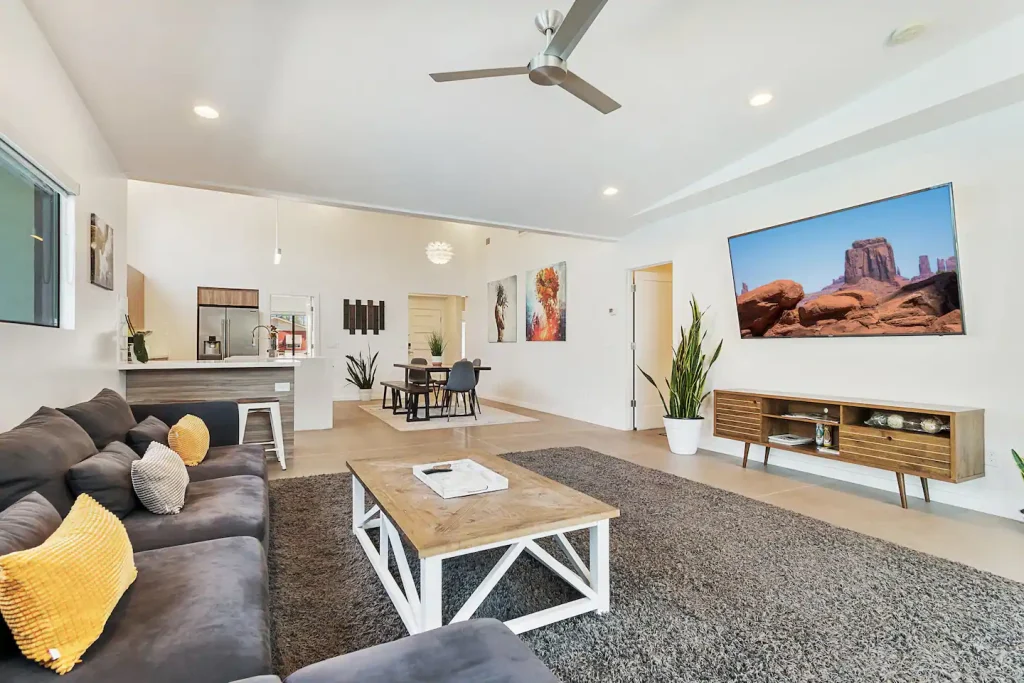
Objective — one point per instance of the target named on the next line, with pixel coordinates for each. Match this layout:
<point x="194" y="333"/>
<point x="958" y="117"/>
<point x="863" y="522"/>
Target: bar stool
<point x="273" y="405"/>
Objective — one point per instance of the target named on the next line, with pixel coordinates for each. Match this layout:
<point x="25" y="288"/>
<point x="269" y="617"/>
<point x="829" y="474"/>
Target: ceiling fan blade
<point x="480" y="73"/>
<point x="581" y="15"/>
<point x="589" y="94"/>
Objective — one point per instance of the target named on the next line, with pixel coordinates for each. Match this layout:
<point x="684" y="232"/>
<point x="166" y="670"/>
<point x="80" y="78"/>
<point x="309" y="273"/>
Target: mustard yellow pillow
<point x="190" y="439"/>
<point x="56" y="598"/>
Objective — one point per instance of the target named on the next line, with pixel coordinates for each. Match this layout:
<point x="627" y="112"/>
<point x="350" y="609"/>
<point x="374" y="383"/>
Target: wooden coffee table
<point x="533" y="507"/>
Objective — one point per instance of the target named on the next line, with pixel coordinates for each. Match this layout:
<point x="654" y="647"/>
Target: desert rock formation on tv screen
<point x="871" y="297"/>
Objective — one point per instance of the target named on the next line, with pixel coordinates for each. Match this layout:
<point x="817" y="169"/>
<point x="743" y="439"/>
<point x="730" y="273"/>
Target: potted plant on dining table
<point x="686" y="385"/>
<point x="437" y="345"/>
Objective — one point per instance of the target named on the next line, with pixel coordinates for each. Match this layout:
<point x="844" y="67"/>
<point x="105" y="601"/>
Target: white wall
<point x="40" y="111"/>
<point x="984" y="158"/>
<point x="184" y="238"/>
<point x="582" y="377"/>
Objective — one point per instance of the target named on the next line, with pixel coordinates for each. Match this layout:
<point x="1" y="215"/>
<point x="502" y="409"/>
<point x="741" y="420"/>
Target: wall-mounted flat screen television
<point x="886" y="268"/>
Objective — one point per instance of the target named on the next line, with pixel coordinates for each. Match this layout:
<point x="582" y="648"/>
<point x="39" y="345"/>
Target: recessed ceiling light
<point x="610" y="191"/>
<point x="761" y="99"/>
<point x="904" y="34"/>
<point x="203" y="111"/>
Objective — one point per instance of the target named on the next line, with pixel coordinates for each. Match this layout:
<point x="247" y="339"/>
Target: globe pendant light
<point x="439" y="252"/>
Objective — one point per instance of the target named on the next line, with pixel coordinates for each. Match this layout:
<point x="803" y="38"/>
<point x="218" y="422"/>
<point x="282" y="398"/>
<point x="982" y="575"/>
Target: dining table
<point x="431" y="369"/>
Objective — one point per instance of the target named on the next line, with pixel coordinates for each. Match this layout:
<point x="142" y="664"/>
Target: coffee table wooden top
<point x="532" y="504"/>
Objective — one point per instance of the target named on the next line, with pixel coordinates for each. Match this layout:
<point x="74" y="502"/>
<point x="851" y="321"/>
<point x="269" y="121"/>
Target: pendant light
<point x="440" y="252"/>
<point x="277" y="232"/>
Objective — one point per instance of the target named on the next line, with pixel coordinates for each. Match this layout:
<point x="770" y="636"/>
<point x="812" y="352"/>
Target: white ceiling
<point x="330" y="99"/>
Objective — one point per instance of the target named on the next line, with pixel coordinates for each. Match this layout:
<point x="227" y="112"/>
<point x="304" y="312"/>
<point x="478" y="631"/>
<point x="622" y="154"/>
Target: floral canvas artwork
<point x="502" y="315"/>
<point x="545" y="303"/>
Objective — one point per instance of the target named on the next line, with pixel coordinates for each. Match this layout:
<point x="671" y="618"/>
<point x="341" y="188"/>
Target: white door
<point x="652" y="333"/>
<point x="422" y="321"/>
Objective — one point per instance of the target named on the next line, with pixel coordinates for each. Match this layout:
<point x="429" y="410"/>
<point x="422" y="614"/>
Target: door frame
<point x="630" y="346"/>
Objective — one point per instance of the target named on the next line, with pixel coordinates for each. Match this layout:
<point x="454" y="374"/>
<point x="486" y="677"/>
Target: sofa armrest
<point x="221" y="417"/>
<point x="260" y="679"/>
<point x="474" y="650"/>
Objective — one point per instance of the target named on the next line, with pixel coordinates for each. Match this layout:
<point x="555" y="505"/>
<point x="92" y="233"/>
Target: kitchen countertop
<point x="210" y="364"/>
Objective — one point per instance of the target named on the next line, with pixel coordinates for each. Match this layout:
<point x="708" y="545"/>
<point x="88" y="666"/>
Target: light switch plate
<point x="282" y="386"/>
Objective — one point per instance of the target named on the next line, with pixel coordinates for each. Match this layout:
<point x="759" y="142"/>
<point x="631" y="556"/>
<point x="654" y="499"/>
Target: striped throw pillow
<point x="160" y="480"/>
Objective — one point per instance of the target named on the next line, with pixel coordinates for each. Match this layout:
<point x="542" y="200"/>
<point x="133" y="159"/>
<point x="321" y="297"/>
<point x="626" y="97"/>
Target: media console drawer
<point x="953" y="455"/>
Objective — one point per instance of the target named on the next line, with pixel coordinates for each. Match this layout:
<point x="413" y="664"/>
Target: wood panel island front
<point x="181" y="381"/>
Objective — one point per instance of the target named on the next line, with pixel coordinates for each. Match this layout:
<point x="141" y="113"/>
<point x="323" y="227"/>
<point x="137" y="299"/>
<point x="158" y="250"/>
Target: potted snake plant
<point x="686" y="385"/>
<point x="362" y="372"/>
<point x="437" y="345"/>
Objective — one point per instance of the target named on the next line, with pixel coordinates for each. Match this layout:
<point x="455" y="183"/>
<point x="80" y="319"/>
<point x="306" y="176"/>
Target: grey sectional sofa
<point x="199" y="608"/>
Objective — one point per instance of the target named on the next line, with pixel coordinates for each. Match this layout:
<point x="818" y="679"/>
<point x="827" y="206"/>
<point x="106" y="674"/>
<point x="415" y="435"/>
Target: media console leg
<point x="903" y="488"/>
<point x="767" y="450"/>
<point x="924" y="486"/>
<point x="746" y="452"/>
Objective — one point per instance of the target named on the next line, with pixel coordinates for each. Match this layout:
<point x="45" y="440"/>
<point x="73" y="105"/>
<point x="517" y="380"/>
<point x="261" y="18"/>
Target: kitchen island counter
<point x="301" y="385"/>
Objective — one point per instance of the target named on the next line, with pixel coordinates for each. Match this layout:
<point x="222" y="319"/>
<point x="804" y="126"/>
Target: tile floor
<point x="983" y="541"/>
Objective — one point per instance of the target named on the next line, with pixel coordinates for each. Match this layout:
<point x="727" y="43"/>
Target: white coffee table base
<point x="420" y="609"/>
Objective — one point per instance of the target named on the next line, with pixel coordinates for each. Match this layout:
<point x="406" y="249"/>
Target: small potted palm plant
<point x="362" y="372"/>
<point x="686" y="384"/>
<point x="437" y="345"/>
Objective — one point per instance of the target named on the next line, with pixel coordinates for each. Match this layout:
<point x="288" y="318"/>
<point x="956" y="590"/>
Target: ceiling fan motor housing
<point x="548" y="69"/>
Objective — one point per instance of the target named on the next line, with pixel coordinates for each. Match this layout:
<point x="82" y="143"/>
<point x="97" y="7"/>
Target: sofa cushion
<point x="106" y="417"/>
<point x="107" y="477"/>
<point x="57" y="597"/>
<point x="36" y="455"/>
<point x="217" y="508"/>
<point x="469" y="651"/>
<point x="146" y="432"/>
<point x="196" y="613"/>
<point x="159" y="480"/>
<point x="228" y="461"/>
<point x="190" y="439"/>
<point x="24" y="525"/>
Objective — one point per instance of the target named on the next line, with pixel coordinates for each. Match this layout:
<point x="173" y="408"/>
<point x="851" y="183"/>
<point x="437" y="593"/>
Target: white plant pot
<point x="438" y="361"/>
<point x="366" y="394"/>
<point x="683" y="435"/>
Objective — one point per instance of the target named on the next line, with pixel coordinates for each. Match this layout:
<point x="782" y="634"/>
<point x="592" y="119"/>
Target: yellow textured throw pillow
<point x="56" y="598"/>
<point x="190" y="439"/>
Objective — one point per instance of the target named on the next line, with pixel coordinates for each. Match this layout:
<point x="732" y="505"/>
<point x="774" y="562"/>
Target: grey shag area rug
<point x="706" y="586"/>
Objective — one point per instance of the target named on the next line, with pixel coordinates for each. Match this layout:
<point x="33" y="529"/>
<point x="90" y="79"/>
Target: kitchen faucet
<point x="271" y="340"/>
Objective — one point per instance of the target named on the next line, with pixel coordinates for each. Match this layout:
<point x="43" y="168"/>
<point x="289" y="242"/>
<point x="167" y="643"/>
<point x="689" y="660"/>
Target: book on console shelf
<point x="790" y="440"/>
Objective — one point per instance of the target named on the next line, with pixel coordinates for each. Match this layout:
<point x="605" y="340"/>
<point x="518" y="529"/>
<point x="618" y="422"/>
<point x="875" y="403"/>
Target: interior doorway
<point x="652" y="342"/>
<point x="441" y="313"/>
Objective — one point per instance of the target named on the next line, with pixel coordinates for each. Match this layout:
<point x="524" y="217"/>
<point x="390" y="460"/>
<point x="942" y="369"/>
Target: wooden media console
<point x="953" y="455"/>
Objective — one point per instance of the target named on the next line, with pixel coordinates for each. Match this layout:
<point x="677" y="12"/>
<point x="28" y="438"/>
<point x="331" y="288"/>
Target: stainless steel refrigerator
<point x="225" y="331"/>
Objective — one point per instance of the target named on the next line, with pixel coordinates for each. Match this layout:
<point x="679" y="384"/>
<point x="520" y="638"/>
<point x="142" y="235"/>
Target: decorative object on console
<point x="363" y="317"/>
<point x="101" y="253"/>
<point x="881" y="283"/>
<point x="546" y="303"/>
<point x="362" y="373"/>
<point x="502" y="298"/>
<point x="437" y="345"/>
<point x="928" y="424"/>
<point x="954" y="455"/>
<point x="690" y="369"/>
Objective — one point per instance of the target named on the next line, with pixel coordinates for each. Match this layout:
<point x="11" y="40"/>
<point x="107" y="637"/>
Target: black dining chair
<point x="477" y="363"/>
<point x="461" y="383"/>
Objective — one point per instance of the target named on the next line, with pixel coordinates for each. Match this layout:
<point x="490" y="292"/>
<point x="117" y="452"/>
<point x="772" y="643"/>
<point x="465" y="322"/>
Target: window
<point x="293" y="318"/>
<point x="30" y="210"/>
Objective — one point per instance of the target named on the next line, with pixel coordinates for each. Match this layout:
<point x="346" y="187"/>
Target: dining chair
<point x="461" y="383"/>
<point x="477" y="363"/>
<point x="424" y="377"/>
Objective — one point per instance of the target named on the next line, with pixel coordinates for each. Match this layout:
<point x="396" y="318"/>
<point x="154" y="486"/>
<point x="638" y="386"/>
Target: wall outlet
<point x="282" y="386"/>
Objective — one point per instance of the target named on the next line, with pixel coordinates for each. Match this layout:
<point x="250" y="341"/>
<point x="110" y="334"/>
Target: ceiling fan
<point x="549" y="67"/>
